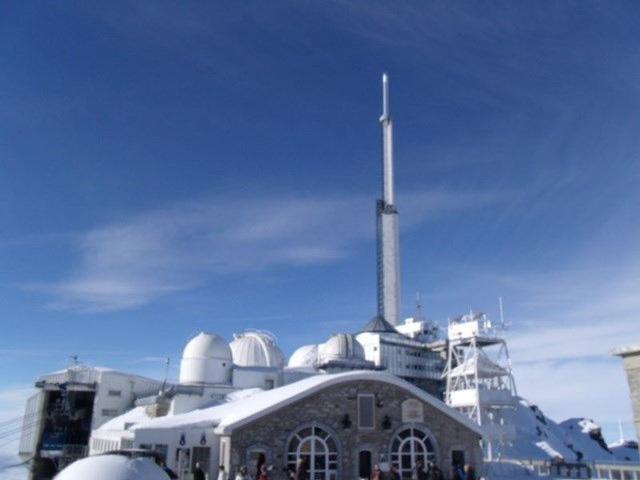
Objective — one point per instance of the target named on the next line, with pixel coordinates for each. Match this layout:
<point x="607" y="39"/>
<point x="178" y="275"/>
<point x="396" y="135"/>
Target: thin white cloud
<point x="130" y="263"/>
<point x="12" y="403"/>
<point x="568" y="323"/>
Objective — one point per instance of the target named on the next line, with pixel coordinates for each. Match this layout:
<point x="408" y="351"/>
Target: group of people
<point x="242" y="474"/>
<point x="420" y="472"/>
<point x="465" y="472"/>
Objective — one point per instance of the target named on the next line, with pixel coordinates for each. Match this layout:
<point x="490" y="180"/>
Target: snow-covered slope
<point x="626" y="451"/>
<point x="540" y="438"/>
<point x="584" y="437"/>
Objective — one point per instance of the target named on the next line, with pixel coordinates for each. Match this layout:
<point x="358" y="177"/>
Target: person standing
<point x="469" y="472"/>
<point x="198" y="473"/>
<point x="222" y="474"/>
<point x="301" y="470"/>
<point x="243" y="474"/>
<point x="418" y="471"/>
<point x="264" y="472"/>
<point x="376" y="474"/>
<point x="393" y="473"/>
<point x="436" y="473"/>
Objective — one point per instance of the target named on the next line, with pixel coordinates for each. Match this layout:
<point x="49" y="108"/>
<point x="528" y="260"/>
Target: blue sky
<point x="167" y="168"/>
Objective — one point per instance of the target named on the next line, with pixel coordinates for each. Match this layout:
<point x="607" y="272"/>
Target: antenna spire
<point x="387" y="223"/>
<point x="385" y="97"/>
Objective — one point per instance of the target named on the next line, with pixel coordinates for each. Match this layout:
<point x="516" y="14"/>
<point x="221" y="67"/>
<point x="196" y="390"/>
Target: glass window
<point x="109" y="412"/>
<point x="317" y="449"/>
<point x="114" y="393"/>
<point x="366" y="411"/>
<point x="410" y="446"/>
<point x="161" y="450"/>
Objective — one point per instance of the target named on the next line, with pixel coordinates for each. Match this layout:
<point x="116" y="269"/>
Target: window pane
<point x="366" y="411"/>
<point x="306" y="446"/>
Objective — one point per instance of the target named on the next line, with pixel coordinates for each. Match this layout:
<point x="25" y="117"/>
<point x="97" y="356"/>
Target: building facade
<point x="340" y="425"/>
<point x="631" y="358"/>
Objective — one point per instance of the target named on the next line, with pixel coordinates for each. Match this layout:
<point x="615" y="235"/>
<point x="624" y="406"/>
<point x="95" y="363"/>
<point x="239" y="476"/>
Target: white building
<point x="70" y="404"/>
<point x="404" y="355"/>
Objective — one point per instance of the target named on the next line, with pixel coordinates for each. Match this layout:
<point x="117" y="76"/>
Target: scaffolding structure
<point x="479" y="382"/>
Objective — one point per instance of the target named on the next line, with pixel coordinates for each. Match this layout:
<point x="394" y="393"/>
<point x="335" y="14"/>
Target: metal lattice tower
<point x="479" y="379"/>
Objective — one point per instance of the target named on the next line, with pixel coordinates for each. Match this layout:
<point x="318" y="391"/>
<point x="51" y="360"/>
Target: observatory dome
<point x="112" y="467"/>
<point x="206" y="359"/>
<point x="256" y="349"/>
<point x="304" y="357"/>
<point x="342" y="346"/>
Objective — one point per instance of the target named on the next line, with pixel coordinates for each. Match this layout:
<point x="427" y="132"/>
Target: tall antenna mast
<point x="501" y="312"/>
<point x="388" y="259"/>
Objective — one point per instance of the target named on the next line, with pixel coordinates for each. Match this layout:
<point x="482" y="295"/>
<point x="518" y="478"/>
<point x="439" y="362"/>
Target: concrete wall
<point x="631" y="361"/>
<point x="328" y="408"/>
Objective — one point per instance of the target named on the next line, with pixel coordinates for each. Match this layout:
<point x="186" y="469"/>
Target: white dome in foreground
<point x="256" y="349"/>
<point x="112" y="467"/>
<point x="304" y="357"/>
<point x="206" y="359"/>
<point x="342" y="346"/>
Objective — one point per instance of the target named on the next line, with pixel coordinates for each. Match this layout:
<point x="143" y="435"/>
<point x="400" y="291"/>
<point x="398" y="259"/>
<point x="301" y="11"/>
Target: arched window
<point x="317" y="449"/>
<point x="409" y="446"/>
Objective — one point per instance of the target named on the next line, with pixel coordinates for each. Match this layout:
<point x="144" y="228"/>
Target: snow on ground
<point x="584" y="436"/>
<point x="625" y="451"/>
<point x="540" y="438"/>
<point x="507" y="471"/>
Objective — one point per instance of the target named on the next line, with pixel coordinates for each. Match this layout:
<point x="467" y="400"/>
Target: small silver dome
<point x="304" y="357"/>
<point x="342" y="346"/>
<point x="256" y="349"/>
<point x="206" y="359"/>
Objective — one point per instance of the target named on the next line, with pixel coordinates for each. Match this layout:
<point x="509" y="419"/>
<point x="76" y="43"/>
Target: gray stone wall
<point x="632" y="367"/>
<point x="329" y="407"/>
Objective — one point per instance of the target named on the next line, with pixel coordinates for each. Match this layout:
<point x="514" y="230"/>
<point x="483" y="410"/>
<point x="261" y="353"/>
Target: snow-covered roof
<point x="88" y="374"/>
<point x="626" y="350"/>
<point x="486" y="367"/>
<point x="132" y="417"/>
<point x="232" y="415"/>
<point x="113" y="467"/>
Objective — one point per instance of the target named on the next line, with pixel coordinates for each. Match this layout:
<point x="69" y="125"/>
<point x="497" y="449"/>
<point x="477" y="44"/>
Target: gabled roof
<point x="379" y="324"/>
<point x="229" y="416"/>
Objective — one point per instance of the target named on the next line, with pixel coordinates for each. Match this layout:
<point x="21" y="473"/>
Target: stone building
<point x="339" y="424"/>
<point x="631" y="359"/>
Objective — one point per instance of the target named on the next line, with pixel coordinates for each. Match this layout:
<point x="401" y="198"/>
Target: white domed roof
<point x="342" y="346"/>
<point x="207" y="345"/>
<point x="256" y="349"/>
<point x="112" y="467"/>
<point x="206" y="359"/>
<point x="304" y="357"/>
